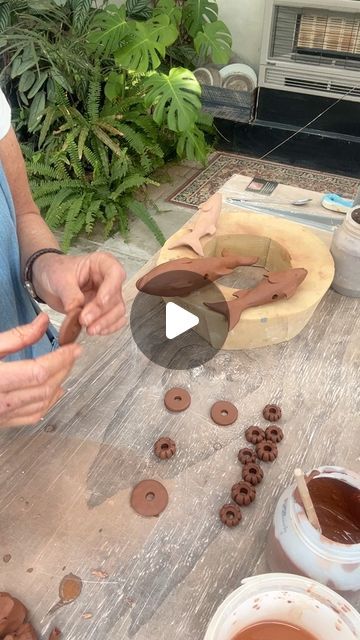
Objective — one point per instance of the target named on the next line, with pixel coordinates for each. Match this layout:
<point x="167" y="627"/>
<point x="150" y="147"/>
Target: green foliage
<point x="138" y="9"/>
<point x="148" y="45"/>
<point x="102" y="97"/>
<point x="175" y="98"/>
<point x="214" y="42"/>
<point x="197" y="13"/>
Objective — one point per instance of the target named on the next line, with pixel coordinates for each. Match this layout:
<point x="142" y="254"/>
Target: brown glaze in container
<point x="331" y="557"/>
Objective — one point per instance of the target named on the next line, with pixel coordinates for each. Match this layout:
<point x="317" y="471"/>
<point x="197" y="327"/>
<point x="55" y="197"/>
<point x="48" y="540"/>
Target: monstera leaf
<point x="148" y="44"/>
<point x="199" y="12"/>
<point x="175" y="99"/>
<point x="109" y="29"/>
<point x="192" y="145"/>
<point x="214" y="42"/>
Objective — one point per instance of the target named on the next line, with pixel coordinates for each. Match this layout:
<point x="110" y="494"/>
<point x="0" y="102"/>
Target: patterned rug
<point x="224" y="165"/>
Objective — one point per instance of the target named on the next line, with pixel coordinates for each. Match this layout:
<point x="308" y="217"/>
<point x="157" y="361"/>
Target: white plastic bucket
<point x="284" y="597"/>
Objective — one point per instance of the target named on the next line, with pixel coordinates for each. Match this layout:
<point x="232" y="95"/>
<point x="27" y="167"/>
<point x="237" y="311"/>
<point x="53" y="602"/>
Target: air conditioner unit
<point x="312" y="47"/>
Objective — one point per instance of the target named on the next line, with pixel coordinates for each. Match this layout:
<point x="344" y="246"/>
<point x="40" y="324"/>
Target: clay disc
<point x="224" y="413"/>
<point x="177" y="399"/>
<point x="70" y="328"/>
<point x="149" y="498"/>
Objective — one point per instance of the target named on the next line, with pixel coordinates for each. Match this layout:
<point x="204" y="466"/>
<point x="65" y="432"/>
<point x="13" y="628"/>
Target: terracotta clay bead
<point x="267" y="451"/>
<point x="224" y="413"/>
<point x="177" y="399"/>
<point x="165" y="448"/>
<point x="272" y="412"/>
<point x="274" y="434"/>
<point x="246" y="455"/>
<point x="243" y="494"/>
<point x="255" y="435"/>
<point x="149" y="498"/>
<point x="252" y="473"/>
<point x="230" y="515"/>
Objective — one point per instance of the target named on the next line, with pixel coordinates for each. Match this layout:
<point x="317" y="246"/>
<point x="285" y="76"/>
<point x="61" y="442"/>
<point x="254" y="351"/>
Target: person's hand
<point x="29" y="388"/>
<point x="93" y="281"/>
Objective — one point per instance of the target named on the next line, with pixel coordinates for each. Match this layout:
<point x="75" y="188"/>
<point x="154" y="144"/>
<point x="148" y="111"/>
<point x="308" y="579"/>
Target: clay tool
<point x="325" y="223"/>
<point x="306" y="499"/>
<point x="274" y="286"/>
<point x="205" y="225"/>
<point x="297" y="203"/>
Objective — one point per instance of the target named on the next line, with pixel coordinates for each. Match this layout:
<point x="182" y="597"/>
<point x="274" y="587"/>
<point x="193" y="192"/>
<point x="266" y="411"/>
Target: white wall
<point x="245" y="21"/>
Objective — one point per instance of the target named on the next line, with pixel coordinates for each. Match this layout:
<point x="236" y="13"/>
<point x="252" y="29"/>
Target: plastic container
<point x="285" y="598"/>
<point x="295" y="546"/>
<point x="345" y="249"/>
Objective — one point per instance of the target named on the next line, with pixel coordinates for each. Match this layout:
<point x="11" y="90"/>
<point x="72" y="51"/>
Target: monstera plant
<point x="104" y="95"/>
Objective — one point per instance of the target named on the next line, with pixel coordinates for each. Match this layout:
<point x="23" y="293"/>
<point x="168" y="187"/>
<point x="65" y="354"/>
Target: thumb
<point x="18" y="338"/>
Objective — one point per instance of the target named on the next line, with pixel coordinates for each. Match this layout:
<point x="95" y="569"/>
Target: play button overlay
<point x="167" y="330"/>
<point x="178" y="320"/>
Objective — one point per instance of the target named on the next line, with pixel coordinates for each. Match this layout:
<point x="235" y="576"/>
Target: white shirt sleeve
<point x="5" y="116"/>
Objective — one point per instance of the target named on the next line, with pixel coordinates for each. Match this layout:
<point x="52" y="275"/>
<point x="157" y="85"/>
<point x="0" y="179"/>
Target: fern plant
<point x="75" y="198"/>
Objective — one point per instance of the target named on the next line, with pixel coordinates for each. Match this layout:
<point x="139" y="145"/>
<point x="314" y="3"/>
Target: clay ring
<point x="224" y="413"/>
<point x="177" y="399"/>
<point x="70" y="328"/>
<point x="272" y="412"/>
<point x="230" y="515"/>
<point x="252" y="473"/>
<point x="149" y="498"/>
<point x="267" y="451"/>
<point x="246" y="455"/>
<point x="274" y="434"/>
<point x="165" y="448"/>
<point x="243" y="494"/>
<point x="255" y="435"/>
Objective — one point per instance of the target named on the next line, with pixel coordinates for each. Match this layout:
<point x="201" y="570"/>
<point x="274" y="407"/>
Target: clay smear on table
<point x="274" y="286"/>
<point x="205" y="225"/>
<point x="185" y="275"/>
<point x="69" y="590"/>
<point x="272" y="630"/>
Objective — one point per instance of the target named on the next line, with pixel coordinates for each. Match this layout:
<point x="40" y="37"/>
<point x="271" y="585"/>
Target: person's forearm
<point x="33" y="232"/>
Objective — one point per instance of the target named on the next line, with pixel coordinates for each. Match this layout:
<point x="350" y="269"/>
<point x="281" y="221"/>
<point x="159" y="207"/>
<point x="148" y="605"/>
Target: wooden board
<point x="280" y="245"/>
<point x="64" y="494"/>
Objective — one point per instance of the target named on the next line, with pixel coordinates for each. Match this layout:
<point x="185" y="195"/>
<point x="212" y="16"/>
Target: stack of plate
<point x="236" y="76"/>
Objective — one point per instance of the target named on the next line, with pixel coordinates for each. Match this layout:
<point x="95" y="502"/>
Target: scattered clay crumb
<point x="64" y="567"/>
<point x="87" y="615"/>
<point x="130" y="601"/>
<point x="56" y="633"/>
<point x="50" y="428"/>
<point x="100" y="530"/>
<point x="30" y="570"/>
<point x="99" y="573"/>
<point x="7" y="557"/>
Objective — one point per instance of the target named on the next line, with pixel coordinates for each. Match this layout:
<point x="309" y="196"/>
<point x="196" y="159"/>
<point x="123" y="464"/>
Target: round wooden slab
<point x="280" y="245"/>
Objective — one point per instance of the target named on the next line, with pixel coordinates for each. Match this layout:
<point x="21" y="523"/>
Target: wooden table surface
<point x="64" y="493"/>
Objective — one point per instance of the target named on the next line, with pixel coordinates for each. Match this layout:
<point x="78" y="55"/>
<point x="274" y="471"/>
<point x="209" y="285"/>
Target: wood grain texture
<point x="64" y="494"/>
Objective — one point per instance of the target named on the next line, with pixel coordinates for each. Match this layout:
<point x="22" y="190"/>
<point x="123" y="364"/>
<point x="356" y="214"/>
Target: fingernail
<point x="87" y="319"/>
<point x="78" y="351"/>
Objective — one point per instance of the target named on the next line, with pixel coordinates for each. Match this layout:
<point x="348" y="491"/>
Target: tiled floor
<point x="141" y="245"/>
